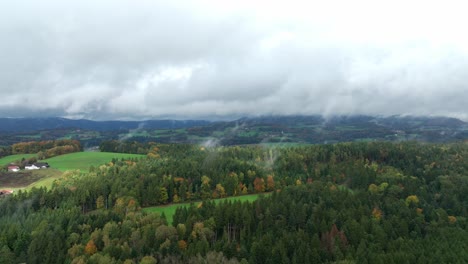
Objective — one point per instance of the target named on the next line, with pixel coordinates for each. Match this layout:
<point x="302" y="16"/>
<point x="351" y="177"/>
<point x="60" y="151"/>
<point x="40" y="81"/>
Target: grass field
<point x="49" y="176"/>
<point x="8" y="159"/>
<point x="45" y="177"/>
<point x="28" y="179"/>
<point x="83" y="160"/>
<point x="169" y="210"/>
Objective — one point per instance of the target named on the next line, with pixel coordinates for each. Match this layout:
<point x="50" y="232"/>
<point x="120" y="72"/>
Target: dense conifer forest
<point x="373" y="202"/>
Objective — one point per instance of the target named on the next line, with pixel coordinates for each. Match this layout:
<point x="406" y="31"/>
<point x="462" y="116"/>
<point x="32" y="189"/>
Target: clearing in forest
<point x="169" y="210"/>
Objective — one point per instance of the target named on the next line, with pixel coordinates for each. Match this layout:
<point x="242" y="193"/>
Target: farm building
<point x="42" y="165"/>
<point x="13" y="168"/>
<point x="5" y="192"/>
<point x="37" y="165"/>
<point x="31" y="167"/>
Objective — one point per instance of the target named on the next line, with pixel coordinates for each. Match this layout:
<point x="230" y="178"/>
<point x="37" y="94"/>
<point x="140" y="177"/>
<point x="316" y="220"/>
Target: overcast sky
<point x="138" y="59"/>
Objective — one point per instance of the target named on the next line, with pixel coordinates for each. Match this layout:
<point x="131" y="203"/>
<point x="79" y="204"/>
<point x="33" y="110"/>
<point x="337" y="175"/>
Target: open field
<point x="28" y="179"/>
<point x="8" y="159"/>
<point x="169" y="210"/>
<point x="83" y="160"/>
<point x="48" y="180"/>
<point x="45" y="177"/>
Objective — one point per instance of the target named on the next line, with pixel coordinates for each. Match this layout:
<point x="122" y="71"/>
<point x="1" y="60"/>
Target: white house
<point x="37" y="165"/>
<point x="31" y="167"/>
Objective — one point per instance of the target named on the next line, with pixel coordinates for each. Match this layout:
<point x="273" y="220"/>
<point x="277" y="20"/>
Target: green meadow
<point x="83" y="160"/>
<point x="169" y="210"/>
<point x="28" y="179"/>
<point x="12" y="158"/>
<point x="48" y="178"/>
<point x="45" y="177"/>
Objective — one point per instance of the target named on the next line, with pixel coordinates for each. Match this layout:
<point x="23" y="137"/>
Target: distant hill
<point x="393" y="122"/>
<point x="34" y="124"/>
<point x="318" y="129"/>
<point x="250" y="130"/>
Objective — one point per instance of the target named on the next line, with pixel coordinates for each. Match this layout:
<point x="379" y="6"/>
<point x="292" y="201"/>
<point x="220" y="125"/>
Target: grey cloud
<point x="127" y="59"/>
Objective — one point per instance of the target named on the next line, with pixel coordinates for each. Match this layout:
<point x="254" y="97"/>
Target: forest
<point x="360" y="202"/>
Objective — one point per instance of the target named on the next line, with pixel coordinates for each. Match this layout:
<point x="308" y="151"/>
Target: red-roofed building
<point x="5" y="192"/>
<point x="13" y="168"/>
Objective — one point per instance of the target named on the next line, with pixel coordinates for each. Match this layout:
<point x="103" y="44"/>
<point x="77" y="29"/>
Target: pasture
<point x="12" y="158"/>
<point x="45" y="177"/>
<point x="169" y="210"/>
<point x="28" y="179"/>
<point x="84" y="160"/>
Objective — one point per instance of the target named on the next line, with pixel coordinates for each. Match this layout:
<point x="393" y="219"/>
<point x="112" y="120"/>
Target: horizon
<point x="232" y="119"/>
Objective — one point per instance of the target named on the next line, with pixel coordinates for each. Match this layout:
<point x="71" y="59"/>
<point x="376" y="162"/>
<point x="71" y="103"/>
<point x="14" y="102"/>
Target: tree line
<point x="47" y="149"/>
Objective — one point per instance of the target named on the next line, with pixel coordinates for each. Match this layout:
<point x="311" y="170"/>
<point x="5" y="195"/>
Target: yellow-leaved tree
<point x="412" y="199"/>
<point x="90" y="248"/>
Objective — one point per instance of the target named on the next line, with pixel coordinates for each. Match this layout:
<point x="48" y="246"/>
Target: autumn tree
<point x="90" y="248"/>
<point x="259" y="185"/>
<point x="148" y="260"/>
<point x="412" y="199"/>
<point x="182" y="244"/>
<point x="205" y="192"/>
<point x="219" y="191"/>
<point x="376" y="213"/>
<point x="270" y="183"/>
<point x="163" y="196"/>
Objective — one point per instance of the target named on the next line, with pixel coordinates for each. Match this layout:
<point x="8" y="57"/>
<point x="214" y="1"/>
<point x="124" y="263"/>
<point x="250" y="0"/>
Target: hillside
<point x="12" y="158"/>
<point x="84" y="160"/>
<point x="36" y="124"/>
<point x="267" y="130"/>
<point x="361" y="202"/>
<point x="74" y="161"/>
